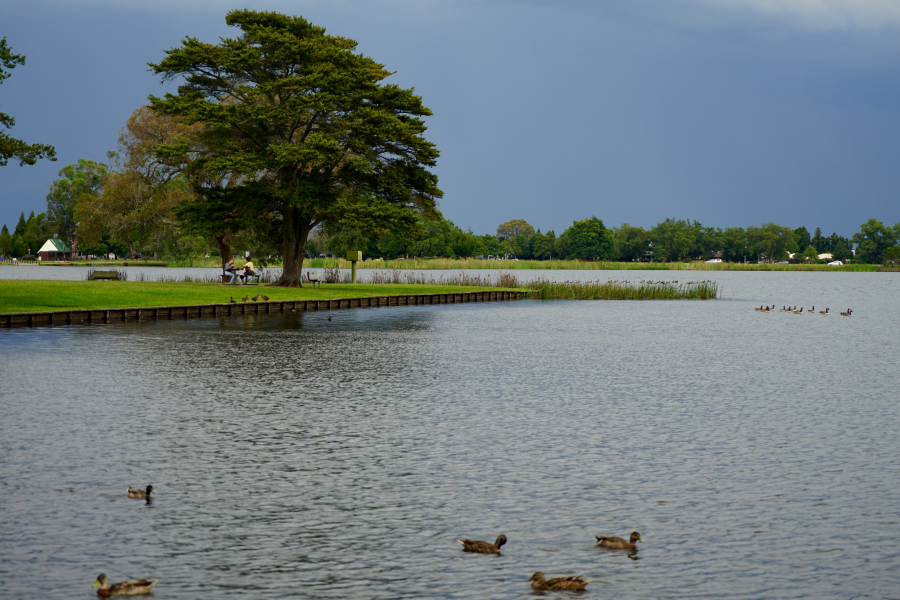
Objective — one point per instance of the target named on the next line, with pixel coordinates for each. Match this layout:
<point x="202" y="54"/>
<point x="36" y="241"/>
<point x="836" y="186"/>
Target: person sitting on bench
<point x="229" y="270"/>
<point x="247" y="272"/>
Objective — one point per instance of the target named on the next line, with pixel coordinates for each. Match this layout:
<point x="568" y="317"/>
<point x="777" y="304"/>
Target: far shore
<point x="497" y="265"/>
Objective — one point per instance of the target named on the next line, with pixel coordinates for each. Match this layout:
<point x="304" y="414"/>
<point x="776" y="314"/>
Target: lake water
<point x="296" y="457"/>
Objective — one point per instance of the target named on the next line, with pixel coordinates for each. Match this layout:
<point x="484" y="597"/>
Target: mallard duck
<point x="558" y="583"/>
<point x="847" y="314"/>
<point x="266" y="298"/>
<point x="823" y="312"/>
<point x="257" y="297"/>
<point x="483" y="547"/>
<point x="618" y="543"/>
<point x="143" y="494"/>
<point x="135" y="587"/>
<point x="233" y="301"/>
<point x="245" y="298"/>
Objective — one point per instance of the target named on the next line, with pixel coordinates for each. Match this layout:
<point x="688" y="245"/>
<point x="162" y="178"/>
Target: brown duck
<point x="618" y="543"/>
<point x="483" y="547"/>
<point x="142" y="494"/>
<point x="135" y="587"/>
<point x="575" y="583"/>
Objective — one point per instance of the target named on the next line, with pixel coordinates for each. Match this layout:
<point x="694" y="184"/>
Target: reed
<point x="623" y="290"/>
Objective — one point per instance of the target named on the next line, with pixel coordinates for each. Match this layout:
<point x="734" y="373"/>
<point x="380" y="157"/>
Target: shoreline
<point x="94" y="315"/>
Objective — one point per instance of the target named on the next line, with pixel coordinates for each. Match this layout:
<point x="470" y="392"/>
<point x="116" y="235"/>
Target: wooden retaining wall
<point x="69" y="317"/>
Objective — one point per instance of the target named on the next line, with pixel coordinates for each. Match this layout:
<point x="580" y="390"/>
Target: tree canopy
<point x="26" y="154"/>
<point x="308" y="123"/>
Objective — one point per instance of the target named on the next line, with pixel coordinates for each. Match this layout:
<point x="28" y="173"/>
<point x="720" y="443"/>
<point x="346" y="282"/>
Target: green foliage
<point x="6" y="244"/>
<point x="891" y="256"/>
<point x="673" y="240"/>
<point x="309" y="124"/>
<point x="873" y="240"/>
<point x="513" y="228"/>
<point x="811" y="255"/>
<point x="85" y="177"/>
<point x="589" y="240"/>
<point x="26" y="154"/>
<point x="803" y="239"/>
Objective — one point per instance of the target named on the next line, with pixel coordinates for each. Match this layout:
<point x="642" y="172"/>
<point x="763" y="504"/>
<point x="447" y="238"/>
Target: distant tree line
<point x="590" y="239"/>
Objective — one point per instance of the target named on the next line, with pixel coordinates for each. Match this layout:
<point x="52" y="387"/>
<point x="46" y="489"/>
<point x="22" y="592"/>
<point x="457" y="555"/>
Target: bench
<point x="313" y="278"/>
<point x="104" y="275"/>
<point x="226" y="277"/>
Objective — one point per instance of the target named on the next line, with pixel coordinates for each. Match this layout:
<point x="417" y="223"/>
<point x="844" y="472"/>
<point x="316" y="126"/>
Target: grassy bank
<point x="34" y="296"/>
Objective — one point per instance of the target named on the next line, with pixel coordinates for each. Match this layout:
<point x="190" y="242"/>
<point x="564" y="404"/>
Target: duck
<point x="245" y="298"/>
<point x="848" y="313"/>
<point x="575" y="583"/>
<point x="265" y="298"/>
<point x="233" y="301"/>
<point x="618" y="543"/>
<point x="142" y="494"/>
<point x="823" y="312"/>
<point x="257" y="297"/>
<point x="483" y="547"/>
<point x="135" y="587"/>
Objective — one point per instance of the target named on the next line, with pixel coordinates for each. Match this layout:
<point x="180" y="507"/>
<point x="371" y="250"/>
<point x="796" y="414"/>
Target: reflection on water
<point x="294" y="456"/>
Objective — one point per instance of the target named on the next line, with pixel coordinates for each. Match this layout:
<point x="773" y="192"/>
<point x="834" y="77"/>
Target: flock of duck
<point x="247" y="298"/>
<point x="139" y="587"/>
<point x="788" y="309"/>
<point x="538" y="580"/>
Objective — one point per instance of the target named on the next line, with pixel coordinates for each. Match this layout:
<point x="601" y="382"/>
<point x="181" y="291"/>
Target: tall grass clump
<point x="623" y="290"/>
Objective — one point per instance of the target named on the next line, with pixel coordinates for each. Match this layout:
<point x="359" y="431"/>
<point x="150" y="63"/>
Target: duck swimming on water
<point x="135" y="587"/>
<point x="574" y="583"/>
<point x="142" y="494"/>
<point x="483" y="547"/>
<point x="618" y="543"/>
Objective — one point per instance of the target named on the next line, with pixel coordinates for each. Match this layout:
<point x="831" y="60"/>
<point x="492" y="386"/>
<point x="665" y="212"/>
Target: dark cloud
<point x="728" y="113"/>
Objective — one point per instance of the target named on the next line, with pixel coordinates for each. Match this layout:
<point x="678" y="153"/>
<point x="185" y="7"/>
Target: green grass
<point x="40" y="295"/>
<point x="624" y="290"/>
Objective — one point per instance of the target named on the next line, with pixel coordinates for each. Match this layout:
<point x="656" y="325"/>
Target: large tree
<point x="26" y="154"/>
<point x="311" y="126"/>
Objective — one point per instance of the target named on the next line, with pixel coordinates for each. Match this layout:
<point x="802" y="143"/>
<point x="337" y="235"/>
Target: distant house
<point x="55" y="249"/>
<point x="826" y="256"/>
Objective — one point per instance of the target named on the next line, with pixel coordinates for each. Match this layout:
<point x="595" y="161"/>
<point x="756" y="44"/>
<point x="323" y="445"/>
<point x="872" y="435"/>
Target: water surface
<point x="296" y="457"/>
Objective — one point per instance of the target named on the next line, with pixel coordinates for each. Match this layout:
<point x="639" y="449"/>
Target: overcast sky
<point x="729" y="112"/>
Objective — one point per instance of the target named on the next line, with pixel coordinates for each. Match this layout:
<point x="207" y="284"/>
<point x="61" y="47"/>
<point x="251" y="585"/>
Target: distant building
<point x="55" y="249"/>
<point x="826" y="256"/>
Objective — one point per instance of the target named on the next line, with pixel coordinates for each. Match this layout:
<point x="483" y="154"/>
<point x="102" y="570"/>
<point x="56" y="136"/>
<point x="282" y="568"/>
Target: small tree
<point x="511" y="229"/>
<point x="811" y="255"/>
<point x="85" y="177"/>
<point x="589" y="240"/>
<point x="891" y="255"/>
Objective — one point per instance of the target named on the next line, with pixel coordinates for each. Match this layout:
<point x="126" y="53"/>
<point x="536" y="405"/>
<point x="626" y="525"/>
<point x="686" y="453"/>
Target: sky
<point x="727" y="112"/>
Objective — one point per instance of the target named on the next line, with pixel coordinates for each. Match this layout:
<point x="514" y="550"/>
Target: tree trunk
<point x="296" y="228"/>
<point x="130" y="249"/>
<point x="223" y="240"/>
